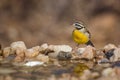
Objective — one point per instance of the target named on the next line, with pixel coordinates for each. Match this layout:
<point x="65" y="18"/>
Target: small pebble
<point x="42" y="58"/>
<point x="44" y="46"/>
<point x="32" y="52"/>
<point x="107" y="72"/>
<point x="80" y="51"/>
<point x="6" y="51"/>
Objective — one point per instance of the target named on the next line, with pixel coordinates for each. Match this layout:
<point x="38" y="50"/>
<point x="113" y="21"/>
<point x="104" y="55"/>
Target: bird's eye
<point x="78" y="25"/>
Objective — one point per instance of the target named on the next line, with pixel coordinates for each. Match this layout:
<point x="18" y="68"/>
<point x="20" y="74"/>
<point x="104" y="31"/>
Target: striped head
<point x="78" y="26"/>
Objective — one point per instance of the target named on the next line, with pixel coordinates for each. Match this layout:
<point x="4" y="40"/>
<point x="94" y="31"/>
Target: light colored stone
<point x="108" y="72"/>
<point x="89" y="52"/>
<point x="58" y="48"/>
<point x="17" y="45"/>
<point x="6" y="51"/>
<point x="86" y="75"/>
<point x="95" y="75"/>
<point x="116" y="56"/>
<point x="18" y="59"/>
<point x="32" y="52"/>
<point x="20" y="55"/>
<point x="53" y="54"/>
<point x="42" y="58"/>
<point x="80" y="51"/>
<point x="43" y="47"/>
<point x="109" y="46"/>
<point x="117" y="70"/>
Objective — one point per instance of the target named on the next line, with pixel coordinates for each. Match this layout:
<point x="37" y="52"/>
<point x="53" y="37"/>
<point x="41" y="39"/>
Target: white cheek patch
<point x="82" y="30"/>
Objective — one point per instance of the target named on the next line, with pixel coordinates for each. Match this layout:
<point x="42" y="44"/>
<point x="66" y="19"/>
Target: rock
<point x="109" y="53"/>
<point x="6" y="51"/>
<point x="42" y="58"/>
<point x="64" y="55"/>
<point x="44" y="49"/>
<point x="100" y="55"/>
<point x="53" y="54"/>
<point x="20" y="55"/>
<point x="116" y="56"/>
<point x="32" y="52"/>
<point x="19" y="59"/>
<point x="17" y="45"/>
<point x="86" y="75"/>
<point x="80" y="51"/>
<point x="108" y="72"/>
<point x="89" y="52"/>
<point x="109" y="47"/>
<point x="95" y="75"/>
<point x="117" y="71"/>
<point x="60" y="50"/>
<point x="113" y="54"/>
<point x="44" y="46"/>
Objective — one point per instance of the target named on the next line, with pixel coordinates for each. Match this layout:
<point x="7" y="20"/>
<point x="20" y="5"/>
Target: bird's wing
<point x="89" y="34"/>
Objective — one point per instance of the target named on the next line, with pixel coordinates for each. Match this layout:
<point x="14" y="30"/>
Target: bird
<point x="81" y="35"/>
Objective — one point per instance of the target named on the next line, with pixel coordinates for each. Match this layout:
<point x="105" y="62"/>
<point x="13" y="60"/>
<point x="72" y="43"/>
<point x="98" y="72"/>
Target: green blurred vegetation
<point x="39" y="21"/>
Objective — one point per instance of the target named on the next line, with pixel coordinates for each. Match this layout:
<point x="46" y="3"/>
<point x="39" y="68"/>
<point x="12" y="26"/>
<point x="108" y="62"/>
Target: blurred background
<point x="49" y="21"/>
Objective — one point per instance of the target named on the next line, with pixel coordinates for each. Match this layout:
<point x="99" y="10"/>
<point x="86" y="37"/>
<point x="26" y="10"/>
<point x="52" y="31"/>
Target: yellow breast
<point x="79" y="37"/>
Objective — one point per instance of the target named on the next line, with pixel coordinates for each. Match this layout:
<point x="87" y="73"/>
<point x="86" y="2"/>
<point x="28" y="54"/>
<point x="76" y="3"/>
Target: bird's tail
<point x="90" y="43"/>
